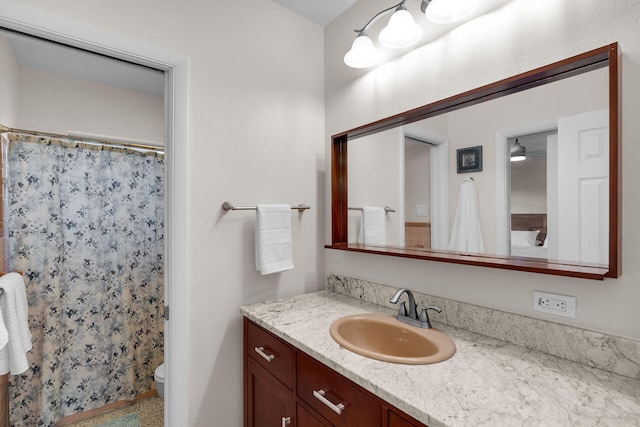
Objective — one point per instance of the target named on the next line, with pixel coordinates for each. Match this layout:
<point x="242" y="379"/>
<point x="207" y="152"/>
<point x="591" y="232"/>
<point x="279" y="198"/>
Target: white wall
<point x="509" y="37"/>
<point x="55" y="103"/>
<point x="529" y="186"/>
<point x="8" y="83"/>
<point x="256" y="125"/>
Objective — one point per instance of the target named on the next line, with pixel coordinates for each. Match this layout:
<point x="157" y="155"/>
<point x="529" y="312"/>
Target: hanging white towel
<point x="15" y="311"/>
<point x="373" y="230"/>
<point x="273" y="239"/>
<point x="466" y="235"/>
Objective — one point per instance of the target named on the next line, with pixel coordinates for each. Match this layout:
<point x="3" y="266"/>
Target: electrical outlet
<point x="421" y="210"/>
<point x="560" y="305"/>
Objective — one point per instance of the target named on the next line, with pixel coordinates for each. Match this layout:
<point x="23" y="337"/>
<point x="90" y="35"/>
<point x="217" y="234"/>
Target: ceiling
<point x="322" y="12"/>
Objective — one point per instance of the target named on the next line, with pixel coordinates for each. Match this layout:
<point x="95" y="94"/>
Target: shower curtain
<point x="85" y="226"/>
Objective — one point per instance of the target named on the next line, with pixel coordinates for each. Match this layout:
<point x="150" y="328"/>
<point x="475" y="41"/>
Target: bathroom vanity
<point x="486" y="382"/>
<point x="285" y="386"/>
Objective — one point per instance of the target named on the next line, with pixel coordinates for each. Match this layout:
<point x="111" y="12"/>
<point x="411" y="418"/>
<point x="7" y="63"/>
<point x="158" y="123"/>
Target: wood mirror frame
<point x="597" y="58"/>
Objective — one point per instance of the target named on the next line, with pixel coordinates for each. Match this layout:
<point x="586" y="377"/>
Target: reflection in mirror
<point x="552" y="207"/>
<point x="417" y="193"/>
<point x="375" y="182"/>
<point x="559" y="191"/>
<point x="393" y="168"/>
<point x="528" y="194"/>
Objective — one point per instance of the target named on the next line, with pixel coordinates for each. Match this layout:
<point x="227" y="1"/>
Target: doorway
<point x="437" y="195"/>
<point x="533" y="183"/>
<point x="30" y="21"/>
<point x="417" y="193"/>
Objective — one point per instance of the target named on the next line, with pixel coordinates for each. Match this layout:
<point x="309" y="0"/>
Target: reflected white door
<point x="583" y="187"/>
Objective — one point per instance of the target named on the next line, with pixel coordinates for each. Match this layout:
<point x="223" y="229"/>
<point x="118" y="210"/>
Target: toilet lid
<point x="159" y="372"/>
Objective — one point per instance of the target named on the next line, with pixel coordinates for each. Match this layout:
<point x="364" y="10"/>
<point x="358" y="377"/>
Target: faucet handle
<point x="402" y="310"/>
<point x="424" y="316"/>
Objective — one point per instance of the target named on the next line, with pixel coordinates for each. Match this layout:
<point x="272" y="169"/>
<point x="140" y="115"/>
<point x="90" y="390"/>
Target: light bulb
<point x="401" y="31"/>
<point x="447" y="11"/>
<point x="363" y="53"/>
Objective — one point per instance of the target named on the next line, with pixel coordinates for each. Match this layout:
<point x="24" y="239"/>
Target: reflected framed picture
<point x="470" y="159"/>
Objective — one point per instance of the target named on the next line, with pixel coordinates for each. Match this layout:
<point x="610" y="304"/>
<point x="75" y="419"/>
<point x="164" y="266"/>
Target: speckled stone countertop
<point x="487" y="382"/>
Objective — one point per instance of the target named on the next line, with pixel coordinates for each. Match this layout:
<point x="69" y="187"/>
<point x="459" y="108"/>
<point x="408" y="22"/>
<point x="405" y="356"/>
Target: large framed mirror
<point x="410" y="185"/>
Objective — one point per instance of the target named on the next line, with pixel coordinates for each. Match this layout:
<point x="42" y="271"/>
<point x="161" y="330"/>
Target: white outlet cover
<point x="570" y="302"/>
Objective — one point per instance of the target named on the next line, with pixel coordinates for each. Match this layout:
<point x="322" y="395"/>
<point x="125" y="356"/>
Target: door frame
<point x="175" y="65"/>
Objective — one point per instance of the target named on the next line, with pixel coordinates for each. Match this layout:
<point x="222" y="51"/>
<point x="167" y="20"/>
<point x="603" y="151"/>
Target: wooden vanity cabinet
<point x="284" y="386"/>
<point x="269" y="403"/>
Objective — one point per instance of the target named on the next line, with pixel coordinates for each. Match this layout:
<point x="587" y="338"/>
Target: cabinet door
<point x="268" y="402"/>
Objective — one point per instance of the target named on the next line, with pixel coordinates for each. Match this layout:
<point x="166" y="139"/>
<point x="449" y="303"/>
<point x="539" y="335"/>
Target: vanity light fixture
<point x="518" y="152"/>
<point x="363" y="53"/>
<point x="402" y="31"/>
<point x="447" y="11"/>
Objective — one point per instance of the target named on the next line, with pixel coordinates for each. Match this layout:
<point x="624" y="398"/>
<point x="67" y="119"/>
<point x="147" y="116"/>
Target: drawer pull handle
<point x="265" y="356"/>
<point x="286" y="421"/>
<point x="335" y="408"/>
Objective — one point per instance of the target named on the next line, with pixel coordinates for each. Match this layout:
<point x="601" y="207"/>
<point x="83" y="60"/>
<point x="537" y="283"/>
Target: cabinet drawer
<point x="273" y="354"/>
<point x="321" y="388"/>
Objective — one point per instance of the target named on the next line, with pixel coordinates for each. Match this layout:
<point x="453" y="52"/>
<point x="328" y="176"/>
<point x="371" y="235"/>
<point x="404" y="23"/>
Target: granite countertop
<point x="487" y="381"/>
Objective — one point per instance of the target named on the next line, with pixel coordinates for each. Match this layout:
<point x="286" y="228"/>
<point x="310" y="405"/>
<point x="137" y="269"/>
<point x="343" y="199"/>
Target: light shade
<point x="447" y="11"/>
<point x="401" y="31"/>
<point x="362" y="54"/>
<point x="518" y="152"/>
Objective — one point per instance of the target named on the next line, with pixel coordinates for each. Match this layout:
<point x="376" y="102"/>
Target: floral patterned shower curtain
<point x="85" y="226"/>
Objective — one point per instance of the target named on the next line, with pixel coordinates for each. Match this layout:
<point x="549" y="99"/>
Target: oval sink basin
<point x="383" y="337"/>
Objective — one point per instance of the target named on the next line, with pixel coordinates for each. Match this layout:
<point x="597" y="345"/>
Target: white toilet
<point x="158" y="376"/>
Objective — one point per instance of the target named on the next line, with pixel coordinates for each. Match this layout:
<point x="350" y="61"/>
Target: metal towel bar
<point x="229" y="207"/>
<point x="387" y="209"/>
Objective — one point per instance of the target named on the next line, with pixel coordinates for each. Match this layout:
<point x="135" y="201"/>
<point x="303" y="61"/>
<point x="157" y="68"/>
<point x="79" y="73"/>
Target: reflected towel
<point x="466" y="234"/>
<point x="273" y="239"/>
<point x="4" y="334"/>
<point x="15" y="312"/>
<point x="373" y="230"/>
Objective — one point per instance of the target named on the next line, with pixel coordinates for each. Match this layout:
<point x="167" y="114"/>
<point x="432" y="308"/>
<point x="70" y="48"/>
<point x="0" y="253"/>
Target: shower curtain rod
<point x="107" y="142"/>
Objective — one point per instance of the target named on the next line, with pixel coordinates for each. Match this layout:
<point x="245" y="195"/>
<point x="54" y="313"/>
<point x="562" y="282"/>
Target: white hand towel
<point x="15" y="313"/>
<point x="373" y="230"/>
<point x="273" y="239"/>
<point x="466" y="235"/>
